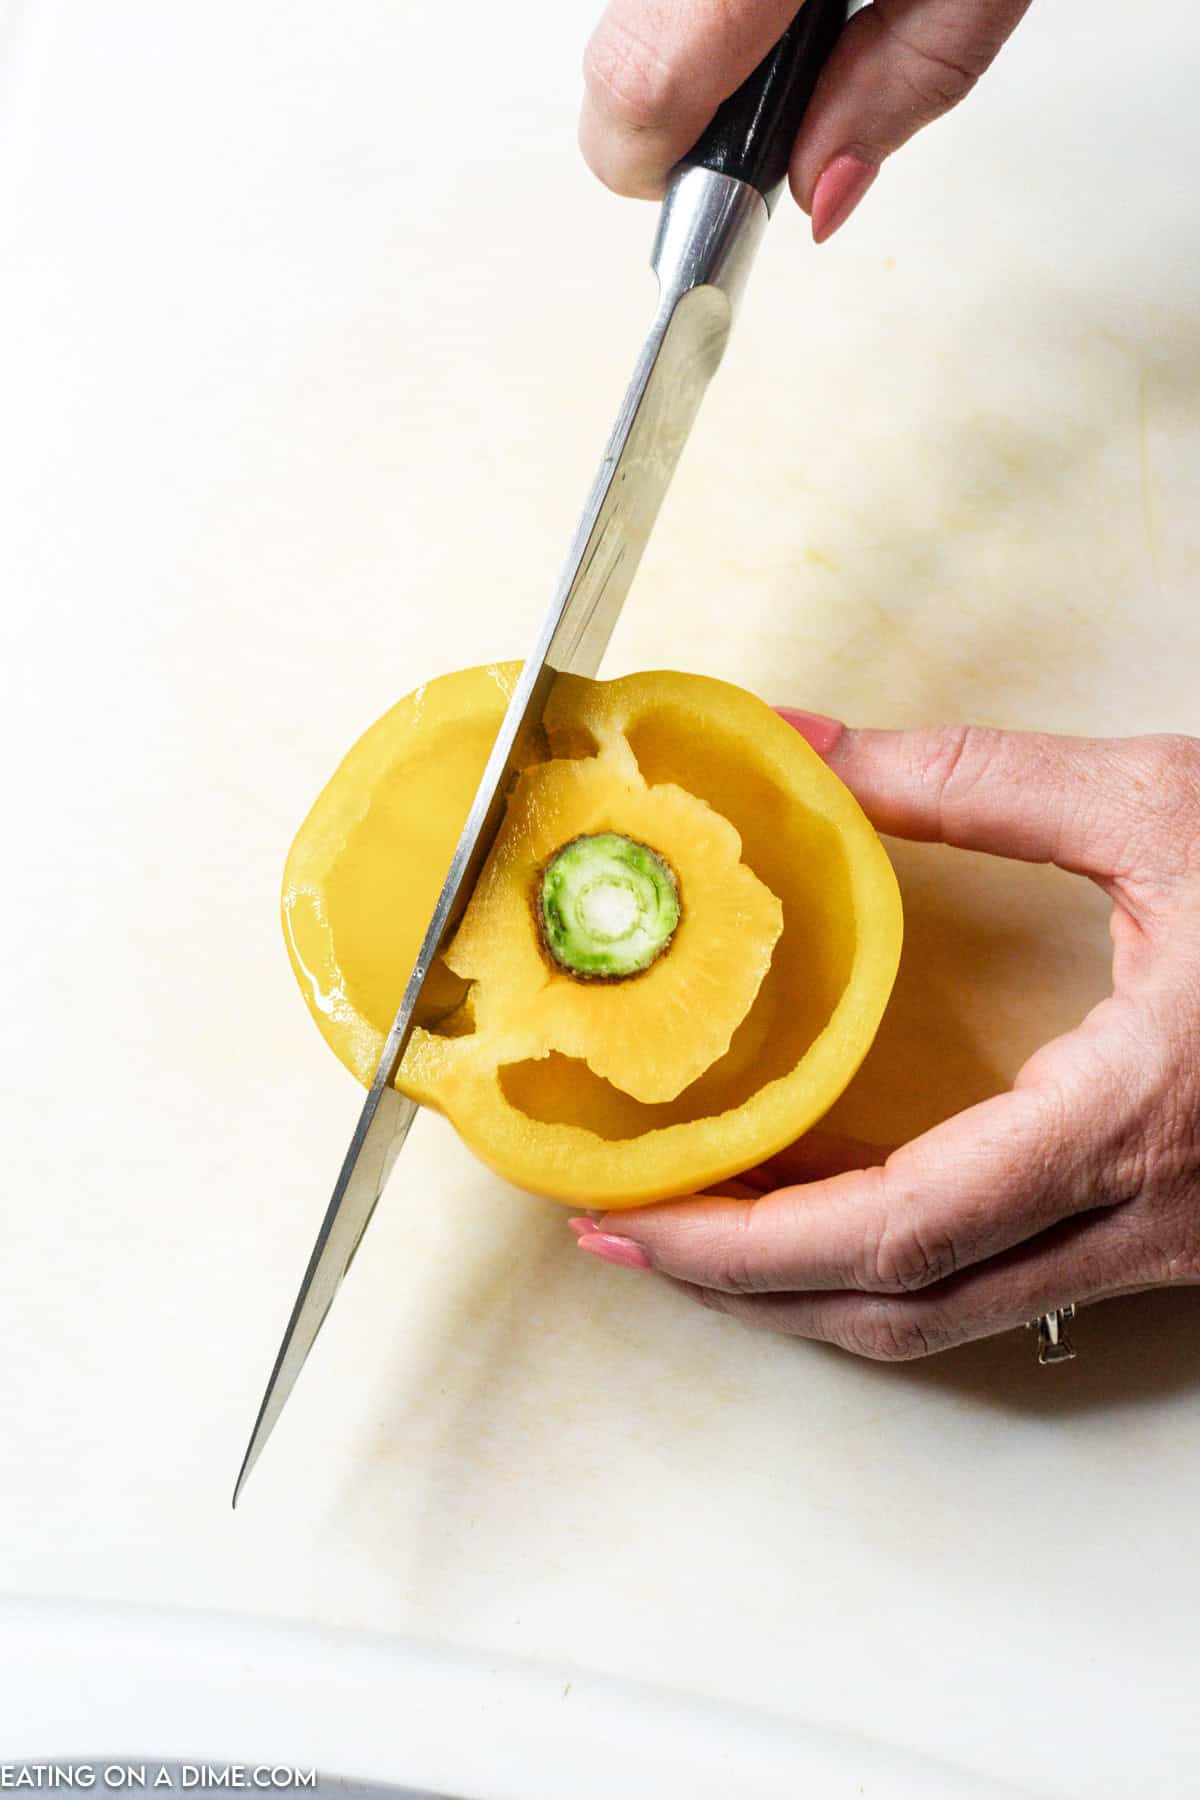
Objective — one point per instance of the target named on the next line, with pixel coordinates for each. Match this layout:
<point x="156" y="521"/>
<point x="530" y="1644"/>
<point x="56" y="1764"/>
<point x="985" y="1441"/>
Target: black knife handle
<point x="752" y="133"/>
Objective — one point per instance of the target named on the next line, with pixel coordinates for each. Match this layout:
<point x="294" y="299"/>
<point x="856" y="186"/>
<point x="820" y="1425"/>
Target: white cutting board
<point x="302" y="381"/>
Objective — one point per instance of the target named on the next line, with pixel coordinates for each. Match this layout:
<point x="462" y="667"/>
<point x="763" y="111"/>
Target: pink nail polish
<point x="816" y="729"/>
<point x="581" y="1227"/>
<point x="615" y="1249"/>
<point x="840" y="186"/>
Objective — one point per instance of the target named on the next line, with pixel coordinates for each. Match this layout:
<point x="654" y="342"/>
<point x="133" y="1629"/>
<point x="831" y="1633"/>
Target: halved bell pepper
<point x="675" y="960"/>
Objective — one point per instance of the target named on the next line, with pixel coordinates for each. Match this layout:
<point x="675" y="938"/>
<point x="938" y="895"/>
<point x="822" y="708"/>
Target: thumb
<point x="1041" y="798"/>
<point x="898" y="65"/>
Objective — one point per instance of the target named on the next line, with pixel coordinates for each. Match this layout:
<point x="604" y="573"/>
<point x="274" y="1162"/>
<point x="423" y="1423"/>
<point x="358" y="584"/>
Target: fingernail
<point x="817" y="729"/>
<point x="614" y="1249"/>
<point x="840" y="186"/>
<point x="581" y="1227"/>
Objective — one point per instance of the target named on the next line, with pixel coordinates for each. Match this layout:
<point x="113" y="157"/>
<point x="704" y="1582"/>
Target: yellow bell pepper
<point x="738" y="1036"/>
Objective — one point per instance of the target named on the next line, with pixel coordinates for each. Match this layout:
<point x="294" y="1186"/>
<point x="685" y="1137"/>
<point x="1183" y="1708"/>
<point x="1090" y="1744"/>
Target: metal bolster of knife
<point x="709" y="228"/>
<point x="722" y="194"/>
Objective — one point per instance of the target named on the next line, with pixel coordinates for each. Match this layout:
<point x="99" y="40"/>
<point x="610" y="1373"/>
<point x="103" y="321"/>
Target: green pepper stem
<point x="608" y="907"/>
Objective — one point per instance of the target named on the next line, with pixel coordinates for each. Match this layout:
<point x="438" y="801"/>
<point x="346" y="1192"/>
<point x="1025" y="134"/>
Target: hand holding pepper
<point x="1080" y="1183"/>
<point x="656" y="71"/>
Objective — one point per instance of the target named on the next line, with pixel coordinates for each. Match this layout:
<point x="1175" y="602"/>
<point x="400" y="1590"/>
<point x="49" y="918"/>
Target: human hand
<point x="1080" y="1183"/>
<point x="656" y="71"/>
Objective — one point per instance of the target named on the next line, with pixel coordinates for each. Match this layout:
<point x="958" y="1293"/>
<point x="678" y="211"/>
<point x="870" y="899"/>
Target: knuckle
<point x="936" y="85"/>
<point x="889" y="1334"/>
<point x="1161" y="1229"/>
<point x="903" y="1259"/>
<point x="734" y="1265"/>
<point x="708" y="1298"/>
<point x="1092" y="1273"/>
<point x="938" y="75"/>
<point x="1133" y="1167"/>
<point x="1162" y="775"/>
<point x="629" y="78"/>
<point x="953" y="759"/>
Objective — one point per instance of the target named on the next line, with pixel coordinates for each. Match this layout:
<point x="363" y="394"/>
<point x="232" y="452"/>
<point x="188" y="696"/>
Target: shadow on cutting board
<point x="1130" y="1351"/>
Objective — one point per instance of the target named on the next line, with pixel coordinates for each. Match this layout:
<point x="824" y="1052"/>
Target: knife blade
<point x="713" y="216"/>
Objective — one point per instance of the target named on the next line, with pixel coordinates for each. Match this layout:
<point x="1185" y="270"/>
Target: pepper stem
<point x="608" y="907"/>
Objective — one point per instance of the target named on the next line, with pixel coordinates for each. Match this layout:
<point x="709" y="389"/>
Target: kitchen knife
<point x="717" y="204"/>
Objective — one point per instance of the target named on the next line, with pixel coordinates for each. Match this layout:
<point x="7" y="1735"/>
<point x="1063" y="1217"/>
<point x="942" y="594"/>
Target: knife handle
<point x="752" y="133"/>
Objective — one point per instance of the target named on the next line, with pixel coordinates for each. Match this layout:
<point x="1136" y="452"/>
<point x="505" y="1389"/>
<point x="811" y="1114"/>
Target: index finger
<point x="1040" y="797"/>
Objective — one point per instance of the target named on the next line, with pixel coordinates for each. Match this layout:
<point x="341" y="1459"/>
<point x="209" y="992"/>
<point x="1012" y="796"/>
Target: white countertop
<point x="298" y="412"/>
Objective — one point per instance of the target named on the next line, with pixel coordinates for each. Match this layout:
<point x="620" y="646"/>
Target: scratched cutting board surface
<point x="299" y="402"/>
